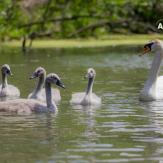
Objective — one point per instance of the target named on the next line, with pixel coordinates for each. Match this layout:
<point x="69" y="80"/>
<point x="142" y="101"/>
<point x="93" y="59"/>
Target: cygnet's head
<point x="6" y="69"/>
<point x="155" y="45"/>
<point x="39" y="72"/>
<point x="91" y="73"/>
<point x="54" y="79"/>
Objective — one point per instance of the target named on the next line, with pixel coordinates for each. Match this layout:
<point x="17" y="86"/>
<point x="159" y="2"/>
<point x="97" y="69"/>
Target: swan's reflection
<point x="155" y="112"/>
<point x="87" y="116"/>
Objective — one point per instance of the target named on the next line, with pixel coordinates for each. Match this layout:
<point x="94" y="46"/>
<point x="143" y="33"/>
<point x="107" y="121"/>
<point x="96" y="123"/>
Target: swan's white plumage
<point x="88" y="97"/>
<point x="77" y="97"/>
<point x="10" y="90"/>
<point x="41" y="96"/>
<point x="56" y="94"/>
<point x="39" y="92"/>
<point x="7" y="90"/>
<point x="23" y="106"/>
<point x="27" y="106"/>
<point x="153" y="88"/>
<point x="81" y="98"/>
<point x="159" y="87"/>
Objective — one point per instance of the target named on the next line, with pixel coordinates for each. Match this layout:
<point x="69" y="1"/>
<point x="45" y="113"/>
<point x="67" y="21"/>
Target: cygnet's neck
<point x="151" y="82"/>
<point x="40" y="84"/>
<point x="89" y="86"/>
<point x="4" y="80"/>
<point x="50" y="103"/>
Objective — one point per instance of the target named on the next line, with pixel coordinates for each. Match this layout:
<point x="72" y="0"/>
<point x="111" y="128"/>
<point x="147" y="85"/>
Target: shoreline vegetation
<point x="107" y="41"/>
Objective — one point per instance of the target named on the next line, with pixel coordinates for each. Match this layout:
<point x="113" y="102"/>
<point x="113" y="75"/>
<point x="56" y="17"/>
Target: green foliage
<point x="78" y="18"/>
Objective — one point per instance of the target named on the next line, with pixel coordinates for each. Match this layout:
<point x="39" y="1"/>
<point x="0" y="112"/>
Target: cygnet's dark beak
<point x="60" y="84"/>
<point x="33" y="76"/>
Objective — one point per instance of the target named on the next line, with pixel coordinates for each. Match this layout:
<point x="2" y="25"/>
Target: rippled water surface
<point x="121" y="130"/>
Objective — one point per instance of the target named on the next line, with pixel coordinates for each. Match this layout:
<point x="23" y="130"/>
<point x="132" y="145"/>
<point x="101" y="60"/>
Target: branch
<point x="60" y="19"/>
<point x="96" y="25"/>
<point x="91" y="26"/>
<point x="31" y="38"/>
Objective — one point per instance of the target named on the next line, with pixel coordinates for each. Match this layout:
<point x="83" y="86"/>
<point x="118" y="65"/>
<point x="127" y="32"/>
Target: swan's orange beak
<point x="146" y="49"/>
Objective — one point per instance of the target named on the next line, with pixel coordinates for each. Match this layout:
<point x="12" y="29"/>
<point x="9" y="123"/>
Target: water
<point x="121" y="130"/>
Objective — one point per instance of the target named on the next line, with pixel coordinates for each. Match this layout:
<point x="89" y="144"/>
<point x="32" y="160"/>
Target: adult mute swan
<point x="87" y="97"/>
<point x="7" y="90"/>
<point x="27" y="106"/>
<point x="39" y="92"/>
<point x="153" y="88"/>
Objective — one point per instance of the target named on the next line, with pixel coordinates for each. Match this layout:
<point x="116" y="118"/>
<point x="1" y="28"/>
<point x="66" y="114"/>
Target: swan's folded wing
<point x="159" y="82"/>
<point x="14" y="91"/>
<point x="56" y="95"/>
<point x="24" y="106"/>
<point x="29" y="96"/>
<point x="77" y="98"/>
<point x="159" y="87"/>
<point x="96" y="99"/>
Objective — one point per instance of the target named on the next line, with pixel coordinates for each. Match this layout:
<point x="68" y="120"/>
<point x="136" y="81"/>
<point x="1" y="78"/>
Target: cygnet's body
<point x="39" y="92"/>
<point x="87" y="97"/>
<point x="7" y="90"/>
<point x="27" y="106"/>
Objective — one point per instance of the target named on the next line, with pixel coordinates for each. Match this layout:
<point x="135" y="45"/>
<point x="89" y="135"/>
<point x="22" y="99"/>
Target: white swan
<point x="39" y="92"/>
<point x="153" y="88"/>
<point x="27" y="106"/>
<point x="87" y="97"/>
<point x="7" y="90"/>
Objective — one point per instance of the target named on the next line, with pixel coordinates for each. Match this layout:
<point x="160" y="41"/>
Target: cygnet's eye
<point x="7" y="71"/>
<point x="51" y="78"/>
<point x="38" y="71"/>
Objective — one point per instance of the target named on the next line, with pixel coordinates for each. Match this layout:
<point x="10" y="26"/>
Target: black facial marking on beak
<point x="147" y="48"/>
<point x="149" y="45"/>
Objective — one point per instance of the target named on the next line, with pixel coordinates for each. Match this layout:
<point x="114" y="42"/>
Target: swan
<point x="87" y="97"/>
<point x="153" y="88"/>
<point x="39" y="92"/>
<point x="27" y="106"/>
<point x="7" y="90"/>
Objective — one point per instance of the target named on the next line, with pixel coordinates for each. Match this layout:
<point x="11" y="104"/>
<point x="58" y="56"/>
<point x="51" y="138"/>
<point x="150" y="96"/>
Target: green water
<point x="121" y="130"/>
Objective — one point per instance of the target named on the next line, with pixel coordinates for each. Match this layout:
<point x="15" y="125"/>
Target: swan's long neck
<point x="150" y="85"/>
<point x="40" y="84"/>
<point x="50" y="103"/>
<point x="89" y="86"/>
<point x="4" y="80"/>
